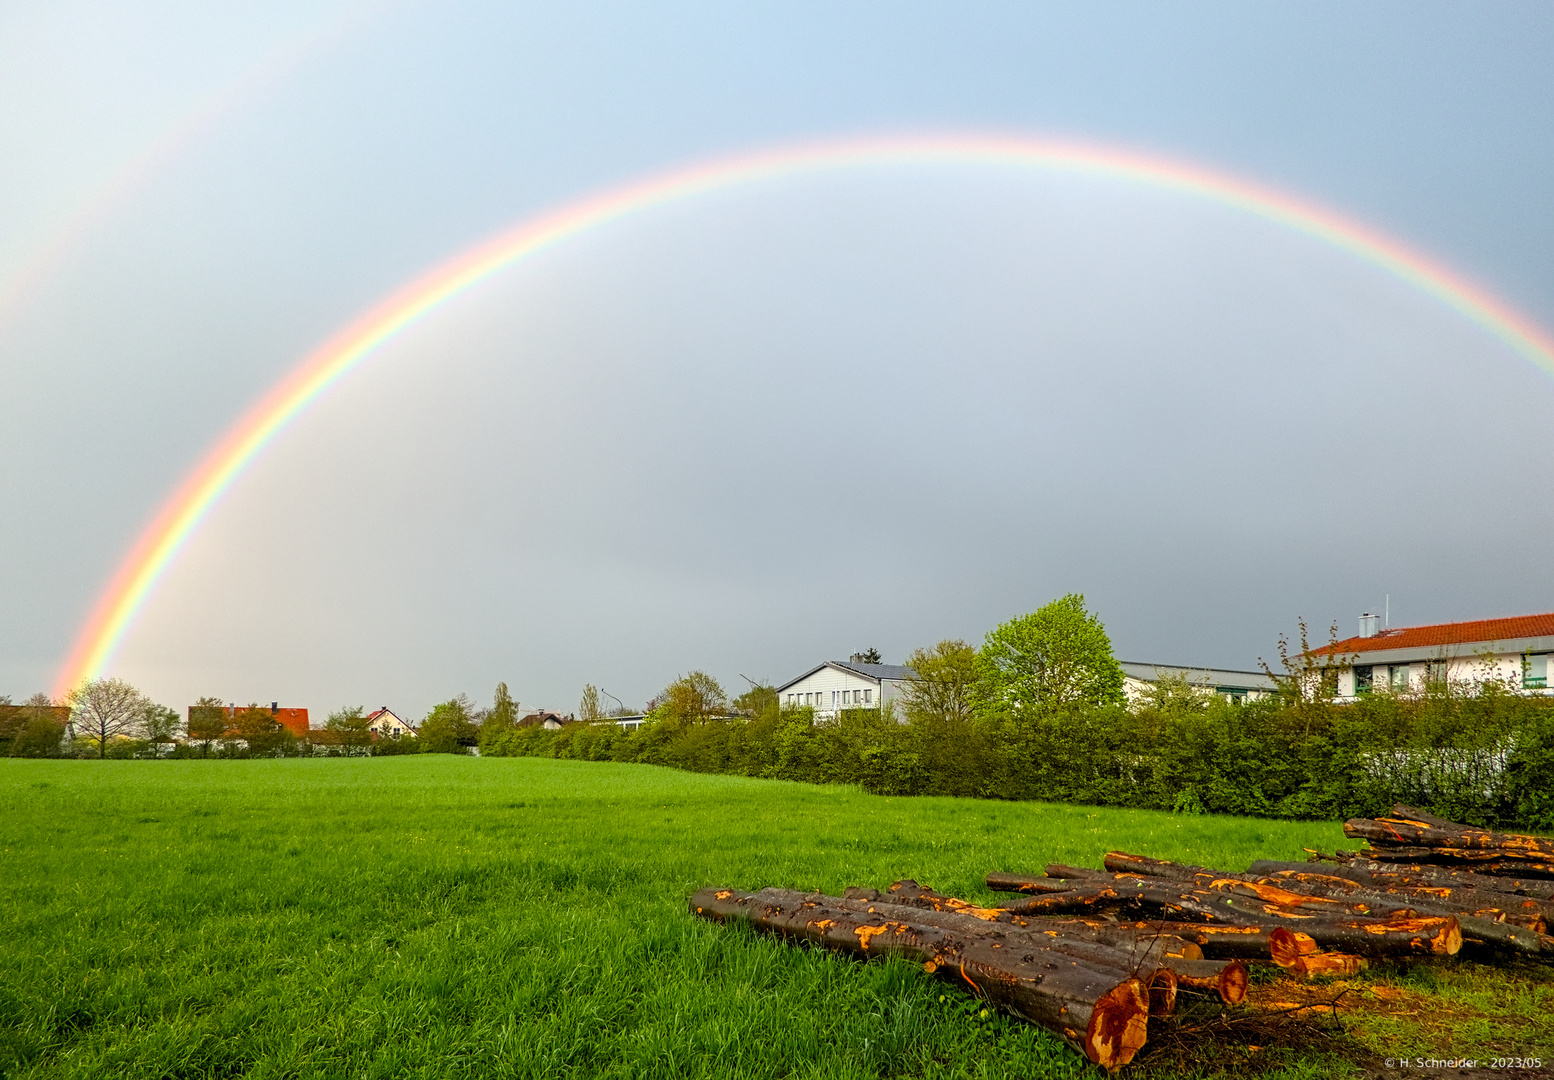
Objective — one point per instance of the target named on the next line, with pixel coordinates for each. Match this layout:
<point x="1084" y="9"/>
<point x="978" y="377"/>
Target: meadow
<point x="447" y="916"/>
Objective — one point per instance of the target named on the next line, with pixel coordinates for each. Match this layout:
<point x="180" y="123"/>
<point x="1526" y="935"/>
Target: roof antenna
<point x="1386" y="612"/>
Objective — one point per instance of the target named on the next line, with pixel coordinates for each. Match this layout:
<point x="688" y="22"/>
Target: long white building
<point x="1513" y="651"/>
<point x="844" y="684"/>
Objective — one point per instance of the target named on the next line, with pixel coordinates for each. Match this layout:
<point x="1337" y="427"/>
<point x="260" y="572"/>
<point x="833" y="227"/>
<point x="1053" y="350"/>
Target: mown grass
<point x="440" y="916"/>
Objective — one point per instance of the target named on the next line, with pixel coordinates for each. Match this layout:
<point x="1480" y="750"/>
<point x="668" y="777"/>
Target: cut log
<point x="1120" y="862"/>
<point x="1408" y="813"/>
<point x="1229" y="898"/>
<point x="1480" y="861"/>
<point x="911" y="893"/>
<point x="1102" y="1016"/>
<point x="1227" y="978"/>
<point x="1155" y="958"/>
<point x="1367" y="937"/>
<point x="1023" y="883"/>
<point x="1521" y="911"/>
<point x="1270" y="867"/>
<point x="1486" y="918"/>
<point x="1095" y="898"/>
<point x="1138" y="940"/>
<point x="1410" y="874"/>
<point x="1130" y="954"/>
<point x="1393" y="832"/>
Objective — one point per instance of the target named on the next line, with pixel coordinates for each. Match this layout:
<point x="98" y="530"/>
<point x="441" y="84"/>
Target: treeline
<point x="109" y="718"/>
<point x="1038" y="713"/>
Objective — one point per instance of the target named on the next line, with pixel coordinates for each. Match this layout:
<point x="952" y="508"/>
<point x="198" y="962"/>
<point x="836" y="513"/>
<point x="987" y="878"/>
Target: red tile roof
<point x="1477" y="632"/>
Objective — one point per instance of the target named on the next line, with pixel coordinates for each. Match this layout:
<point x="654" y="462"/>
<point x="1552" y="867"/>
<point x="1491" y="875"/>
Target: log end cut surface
<point x="1119" y="1025"/>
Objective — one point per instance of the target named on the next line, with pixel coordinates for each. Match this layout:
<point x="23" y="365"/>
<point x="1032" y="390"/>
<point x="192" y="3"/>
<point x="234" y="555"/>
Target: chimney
<point x="1369" y="624"/>
<point x="855" y="658"/>
<point x="275" y="706"/>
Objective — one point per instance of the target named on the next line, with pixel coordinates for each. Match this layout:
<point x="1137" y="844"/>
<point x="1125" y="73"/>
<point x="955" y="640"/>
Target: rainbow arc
<point x="161" y="541"/>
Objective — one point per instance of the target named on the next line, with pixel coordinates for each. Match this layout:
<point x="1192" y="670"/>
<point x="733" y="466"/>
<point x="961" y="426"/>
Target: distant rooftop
<point x="1440" y="635"/>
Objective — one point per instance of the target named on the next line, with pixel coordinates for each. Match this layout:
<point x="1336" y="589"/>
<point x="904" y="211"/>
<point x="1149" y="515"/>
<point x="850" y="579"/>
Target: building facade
<point x="1515" y="652"/>
<point x="385" y="725"/>
<point x="1235" y="686"/>
<point x="835" y="685"/>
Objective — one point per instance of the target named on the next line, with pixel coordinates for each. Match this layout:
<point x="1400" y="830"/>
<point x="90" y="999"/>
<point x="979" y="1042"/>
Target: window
<point x="1364" y="676"/>
<point x="866" y="695"/>
<point x="1397" y="677"/>
<point x="1435" y="671"/>
<point x="807" y="700"/>
<point x="1535" y="671"/>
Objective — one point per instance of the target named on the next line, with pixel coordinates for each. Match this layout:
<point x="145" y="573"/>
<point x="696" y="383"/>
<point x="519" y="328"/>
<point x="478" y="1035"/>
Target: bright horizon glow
<point x="159" y="544"/>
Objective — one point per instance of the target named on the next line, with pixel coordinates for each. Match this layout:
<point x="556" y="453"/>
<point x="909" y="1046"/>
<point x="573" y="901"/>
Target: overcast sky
<point x="778" y="424"/>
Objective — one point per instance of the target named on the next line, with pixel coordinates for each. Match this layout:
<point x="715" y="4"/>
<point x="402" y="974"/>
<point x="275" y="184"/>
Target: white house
<point x="385" y="725"/>
<point x="1514" y="651"/>
<point x="1237" y="686"/>
<point x="844" y="684"/>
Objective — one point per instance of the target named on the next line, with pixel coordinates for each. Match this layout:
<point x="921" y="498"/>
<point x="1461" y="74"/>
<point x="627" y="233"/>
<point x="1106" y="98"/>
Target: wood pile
<point x="1096" y="955"/>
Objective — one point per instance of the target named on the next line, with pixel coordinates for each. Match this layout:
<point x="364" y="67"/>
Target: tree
<point x="105" y="709"/>
<point x="692" y="698"/>
<point x="944" y="683"/>
<point x="870" y="656"/>
<point x="350" y="723"/>
<point x="1310" y="679"/>
<point x="1056" y="656"/>
<point x="207" y="721"/>
<point x="504" y="710"/>
<point x="447" y="729"/>
<point x="37" y="729"/>
<point x="256" y="725"/>
<point x="759" y="701"/>
<point x="159" y="725"/>
<point x="589" y="709"/>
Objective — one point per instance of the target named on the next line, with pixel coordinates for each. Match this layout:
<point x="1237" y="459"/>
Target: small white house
<point x="1236" y="686"/>
<point x="385" y="725"/>
<point x="1514" y="651"/>
<point x="844" y="684"/>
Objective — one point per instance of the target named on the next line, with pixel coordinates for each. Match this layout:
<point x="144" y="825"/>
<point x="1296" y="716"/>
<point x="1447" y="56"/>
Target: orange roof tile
<point x="1477" y="632"/>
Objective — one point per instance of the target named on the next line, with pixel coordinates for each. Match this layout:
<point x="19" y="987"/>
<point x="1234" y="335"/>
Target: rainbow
<point x="161" y="541"/>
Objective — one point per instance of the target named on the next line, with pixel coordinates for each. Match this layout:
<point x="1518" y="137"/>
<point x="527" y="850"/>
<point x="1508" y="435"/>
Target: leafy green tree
<point x="104" y="709"/>
<point x="159" y="725"/>
<point x="256" y="725"/>
<point x="447" y="729"/>
<point x="1054" y="657"/>
<point x="870" y="656"/>
<point x="500" y="720"/>
<point x="350" y="725"/>
<point x="207" y="722"/>
<point x="759" y="701"/>
<point x="37" y="730"/>
<point x="589" y="710"/>
<point x="694" y="698"/>
<point x="504" y="710"/>
<point x="944" y="683"/>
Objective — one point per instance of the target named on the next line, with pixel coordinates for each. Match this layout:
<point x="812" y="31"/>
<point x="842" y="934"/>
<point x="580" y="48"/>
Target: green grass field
<point x="441" y="916"/>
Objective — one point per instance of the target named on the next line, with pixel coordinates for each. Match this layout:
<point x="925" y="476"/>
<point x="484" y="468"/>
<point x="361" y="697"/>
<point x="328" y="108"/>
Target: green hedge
<point x="1485" y="759"/>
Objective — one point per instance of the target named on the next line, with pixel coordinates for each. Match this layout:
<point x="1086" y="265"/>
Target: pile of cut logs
<point x="1094" y="955"/>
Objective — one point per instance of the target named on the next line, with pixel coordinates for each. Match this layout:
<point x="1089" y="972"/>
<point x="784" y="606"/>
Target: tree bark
<point x="1405" y="874"/>
<point x="1137" y="939"/>
<point x="1025" y="884"/>
<point x="1400" y="833"/>
<point x="1479" y="860"/>
<point x="1102" y="1015"/>
<point x="1507" y="924"/>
